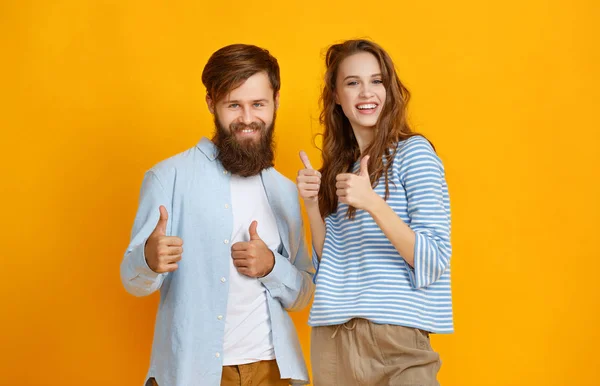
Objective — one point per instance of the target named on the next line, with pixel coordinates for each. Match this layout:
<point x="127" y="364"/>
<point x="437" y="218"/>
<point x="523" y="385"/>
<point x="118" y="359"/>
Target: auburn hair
<point x="340" y="148"/>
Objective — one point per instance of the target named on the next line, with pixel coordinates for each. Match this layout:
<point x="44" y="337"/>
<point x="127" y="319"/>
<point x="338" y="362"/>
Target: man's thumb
<point x="161" y="226"/>
<point x="252" y="230"/>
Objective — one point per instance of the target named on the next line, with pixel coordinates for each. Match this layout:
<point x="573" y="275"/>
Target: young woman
<point x="380" y="221"/>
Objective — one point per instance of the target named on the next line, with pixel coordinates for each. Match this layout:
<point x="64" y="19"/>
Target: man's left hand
<point x="253" y="258"/>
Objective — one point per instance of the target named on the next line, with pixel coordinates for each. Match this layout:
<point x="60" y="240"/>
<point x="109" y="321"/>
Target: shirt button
<point x="226" y="241"/>
<point x="217" y="355"/>
<point x="226" y="206"/>
<point x="224" y="171"/>
<point x="220" y="317"/>
<point x="223" y="280"/>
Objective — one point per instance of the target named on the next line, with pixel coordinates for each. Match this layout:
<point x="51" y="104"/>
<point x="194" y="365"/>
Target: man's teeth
<point x="366" y="107"/>
<point x="248" y="131"/>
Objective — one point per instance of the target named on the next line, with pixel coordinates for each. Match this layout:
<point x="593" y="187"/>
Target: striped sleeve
<point x="423" y="177"/>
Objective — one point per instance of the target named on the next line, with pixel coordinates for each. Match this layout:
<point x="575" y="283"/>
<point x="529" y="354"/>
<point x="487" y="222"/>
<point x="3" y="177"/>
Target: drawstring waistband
<point x="349" y="325"/>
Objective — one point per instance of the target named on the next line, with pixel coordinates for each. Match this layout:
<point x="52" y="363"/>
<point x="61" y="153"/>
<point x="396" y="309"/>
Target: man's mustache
<point x="238" y="126"/>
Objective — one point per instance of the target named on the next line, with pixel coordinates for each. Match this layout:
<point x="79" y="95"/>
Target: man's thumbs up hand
<point x="253" y="258"/>
<point x="163" y="252"/>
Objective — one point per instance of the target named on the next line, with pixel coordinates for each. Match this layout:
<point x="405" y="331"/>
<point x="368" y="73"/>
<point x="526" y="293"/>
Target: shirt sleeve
<point x="137" y="278"/>
<point x="291" y="280"/>
<point x="422" y="174"/>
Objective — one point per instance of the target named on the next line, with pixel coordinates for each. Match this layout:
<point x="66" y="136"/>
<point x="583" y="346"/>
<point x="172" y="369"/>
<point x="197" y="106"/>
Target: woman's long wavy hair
<point x="340" y="148"/>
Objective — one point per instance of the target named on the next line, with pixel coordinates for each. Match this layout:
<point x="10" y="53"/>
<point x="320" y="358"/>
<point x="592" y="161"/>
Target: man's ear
<point x="210" y="104"/>
<point x="276" y="100"/>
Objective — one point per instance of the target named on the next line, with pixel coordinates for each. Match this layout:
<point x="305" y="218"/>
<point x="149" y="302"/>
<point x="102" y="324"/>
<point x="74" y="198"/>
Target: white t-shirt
<point x="248" y="335"/>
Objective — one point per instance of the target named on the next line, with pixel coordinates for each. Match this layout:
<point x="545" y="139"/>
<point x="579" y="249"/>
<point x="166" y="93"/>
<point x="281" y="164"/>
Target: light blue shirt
<point x="188" y="338"/>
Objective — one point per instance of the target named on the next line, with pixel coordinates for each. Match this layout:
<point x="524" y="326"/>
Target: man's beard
<point x="247" y="157"/>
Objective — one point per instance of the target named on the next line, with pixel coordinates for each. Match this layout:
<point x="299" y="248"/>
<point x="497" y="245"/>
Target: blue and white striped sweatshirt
<point x="362" y="275"/>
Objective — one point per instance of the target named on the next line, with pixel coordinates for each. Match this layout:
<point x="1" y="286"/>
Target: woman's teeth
<point x="366" y="106"/>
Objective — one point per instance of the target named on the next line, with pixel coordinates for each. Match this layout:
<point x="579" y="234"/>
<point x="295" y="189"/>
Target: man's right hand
<point x="162" y="251"/>
<point x="308" y="181"/>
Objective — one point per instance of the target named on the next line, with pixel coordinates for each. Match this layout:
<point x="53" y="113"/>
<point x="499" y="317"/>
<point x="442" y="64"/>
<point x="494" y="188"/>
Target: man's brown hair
<point x="232" y="65"/>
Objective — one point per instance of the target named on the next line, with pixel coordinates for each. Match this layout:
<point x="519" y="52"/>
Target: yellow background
<point x="93" y="93"/>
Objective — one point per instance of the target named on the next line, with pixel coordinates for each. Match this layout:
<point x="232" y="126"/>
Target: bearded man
<point x="219" y="233"/>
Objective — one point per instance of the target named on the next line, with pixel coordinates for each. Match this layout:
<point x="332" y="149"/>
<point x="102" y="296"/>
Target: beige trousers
<point x="363" y="353"/>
